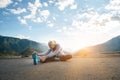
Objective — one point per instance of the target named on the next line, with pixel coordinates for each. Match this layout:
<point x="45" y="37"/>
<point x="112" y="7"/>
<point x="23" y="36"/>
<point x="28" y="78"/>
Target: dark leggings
<point x="62" y="58"/>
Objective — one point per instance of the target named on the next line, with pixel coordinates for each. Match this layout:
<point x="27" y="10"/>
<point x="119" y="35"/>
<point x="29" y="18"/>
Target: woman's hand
<point x="44" y="58"/>
<point x="39" y="54"/>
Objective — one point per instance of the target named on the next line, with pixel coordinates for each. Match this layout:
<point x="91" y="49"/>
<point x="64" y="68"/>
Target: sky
<point x="74" y="24"/>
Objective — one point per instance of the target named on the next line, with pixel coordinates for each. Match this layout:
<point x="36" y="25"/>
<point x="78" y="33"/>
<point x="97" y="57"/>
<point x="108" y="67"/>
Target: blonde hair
<point x="52" y="42"/>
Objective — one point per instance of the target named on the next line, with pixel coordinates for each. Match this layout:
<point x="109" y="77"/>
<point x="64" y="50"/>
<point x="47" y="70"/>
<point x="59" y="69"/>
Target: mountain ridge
<point x="12" y="45"/>
<point x="110" y="46"/>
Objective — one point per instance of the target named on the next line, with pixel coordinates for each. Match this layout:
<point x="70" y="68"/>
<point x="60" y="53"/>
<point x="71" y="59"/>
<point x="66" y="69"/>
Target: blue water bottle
<point x="36" y="59"/>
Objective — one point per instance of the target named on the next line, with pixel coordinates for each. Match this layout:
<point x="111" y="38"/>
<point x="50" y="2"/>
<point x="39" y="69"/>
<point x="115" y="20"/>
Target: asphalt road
<point x="74" y="69"/>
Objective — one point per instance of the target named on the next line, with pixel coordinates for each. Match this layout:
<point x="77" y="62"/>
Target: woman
<point x="54" y="52"/>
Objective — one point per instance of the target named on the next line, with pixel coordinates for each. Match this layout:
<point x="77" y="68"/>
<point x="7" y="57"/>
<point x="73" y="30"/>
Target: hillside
<point x="15" y="46"/>
<point x="111" y="46"/>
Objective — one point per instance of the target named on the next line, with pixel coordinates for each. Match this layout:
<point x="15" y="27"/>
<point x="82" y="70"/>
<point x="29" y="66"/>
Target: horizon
<point x="66" y="49"/>
<point x="74" y="24"/>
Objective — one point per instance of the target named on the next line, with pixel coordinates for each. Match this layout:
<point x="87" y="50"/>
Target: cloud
<point x="37" y="20"/>
<point x="18" y="10"/>
<point x="33" y="9"/>
<point x="5" y="3"/>
<point x="62" y="4"/>
<point x="15" y="3"/>
<point x="20" y="0"/>
<point x="45" y="14"/>
<point x="91" y="22"/>
<point x="36" y="14"/>
<point x="23" y="21"/>
<point x="51" y="1"/>
<point x="114" y="8"/>
<point x="88" y="35"/>
<point x="113" y="5"/>
<point x="86" y="15"/>
<point x="22" y="36"/>
<point x="73" y="6"/>
<point x="45" y="4"/>
<point x="93" y="19"/>
<point x="54" y="18"/>
<point x="116" y="18"/>
<point x="64" y="28"/>
<point x="50" y="24"/>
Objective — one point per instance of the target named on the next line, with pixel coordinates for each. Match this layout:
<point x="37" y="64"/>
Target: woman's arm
<point x="44" y="53"/>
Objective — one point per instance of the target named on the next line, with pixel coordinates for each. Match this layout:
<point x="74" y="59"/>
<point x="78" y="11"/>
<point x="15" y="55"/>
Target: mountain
<point x="111" y="46"/>
<point x="27" y="52"/>
<point x="15" y="46"/>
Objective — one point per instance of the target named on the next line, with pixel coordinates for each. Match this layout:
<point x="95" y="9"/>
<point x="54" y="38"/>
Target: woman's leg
<point x="65" y="57"/>
<point x="47" y="59"/>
